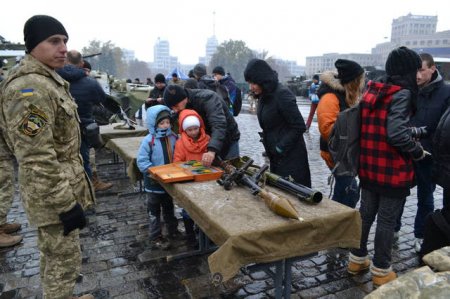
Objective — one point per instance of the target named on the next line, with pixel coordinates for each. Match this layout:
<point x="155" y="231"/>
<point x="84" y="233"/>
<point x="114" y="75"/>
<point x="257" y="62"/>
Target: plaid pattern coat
<point x="383" y="166"/>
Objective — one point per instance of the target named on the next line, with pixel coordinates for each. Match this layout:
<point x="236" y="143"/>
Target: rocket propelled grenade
<point x="279" y="205"/>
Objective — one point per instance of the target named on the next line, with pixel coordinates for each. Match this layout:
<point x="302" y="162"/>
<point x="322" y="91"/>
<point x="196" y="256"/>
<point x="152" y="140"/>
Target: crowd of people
<point x="404" y="137"/>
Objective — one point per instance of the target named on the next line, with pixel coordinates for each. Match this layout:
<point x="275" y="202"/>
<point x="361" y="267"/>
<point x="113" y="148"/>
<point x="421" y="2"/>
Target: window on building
<point x="437" y="42"/>
<point x="415" y="43"/>
<point x="422" y="42"/>
<point x="445" y="41"/>
<point x="429" y="42"/>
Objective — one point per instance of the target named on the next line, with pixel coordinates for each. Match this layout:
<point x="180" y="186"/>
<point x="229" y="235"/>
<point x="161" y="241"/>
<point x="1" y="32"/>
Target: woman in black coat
<point x="281" y="121"/>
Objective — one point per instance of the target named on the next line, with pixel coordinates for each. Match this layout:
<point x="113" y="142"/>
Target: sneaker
<point x="356" y="268"/>
<point x="160" y="243"/>
<point x="380" y="280"/>
<point x="418" y="244"/>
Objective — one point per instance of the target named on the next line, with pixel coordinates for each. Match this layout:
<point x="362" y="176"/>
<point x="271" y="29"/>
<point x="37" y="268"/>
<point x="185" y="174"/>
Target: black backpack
<point x="237" y="105"/>
<point x="343" y="143"/>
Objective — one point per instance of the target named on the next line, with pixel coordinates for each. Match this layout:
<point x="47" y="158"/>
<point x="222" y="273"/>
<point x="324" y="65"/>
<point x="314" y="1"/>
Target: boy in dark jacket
<point x="386" y="170"/>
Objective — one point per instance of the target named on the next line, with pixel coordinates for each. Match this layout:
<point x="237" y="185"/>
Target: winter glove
<point x="73" y="219"/>
<point x="424" y="154"/>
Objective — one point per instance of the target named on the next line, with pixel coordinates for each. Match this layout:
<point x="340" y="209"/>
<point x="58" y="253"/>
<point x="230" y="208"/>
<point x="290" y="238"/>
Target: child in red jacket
<point x="193" y="141"/>
<point x="190" y="146"/>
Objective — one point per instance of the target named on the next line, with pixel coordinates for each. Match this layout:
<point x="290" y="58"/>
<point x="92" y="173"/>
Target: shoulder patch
<point x="27" y="92"/>
<point x="34" y="122"/>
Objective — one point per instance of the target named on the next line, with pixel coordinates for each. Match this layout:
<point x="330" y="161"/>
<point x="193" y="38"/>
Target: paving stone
<point x="117" y="262"/>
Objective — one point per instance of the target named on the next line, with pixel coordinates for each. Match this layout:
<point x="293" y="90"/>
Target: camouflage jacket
<point x="41" y="129"/>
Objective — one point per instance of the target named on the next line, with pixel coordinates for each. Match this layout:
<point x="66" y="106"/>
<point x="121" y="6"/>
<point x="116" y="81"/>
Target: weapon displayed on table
<point x="300" y="191"/>
<point x="279" y="205"/>
<point x="127" y="122"/>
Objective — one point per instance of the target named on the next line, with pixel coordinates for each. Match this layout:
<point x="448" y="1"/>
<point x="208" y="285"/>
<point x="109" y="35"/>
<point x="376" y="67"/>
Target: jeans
<point x="156" y="201"/>
<point x="425" y="189"/>
<point x="386" y="209"/>
<point x="346" y="191"/>
<point x="84" y="151"/>
<point x="233" y="151"/>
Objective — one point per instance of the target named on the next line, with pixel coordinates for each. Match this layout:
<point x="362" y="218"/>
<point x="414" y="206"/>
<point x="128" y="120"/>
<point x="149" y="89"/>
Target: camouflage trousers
<point x="6" y="186"/>
<point x="60" y="261"/>
<point x="92" y="160"/>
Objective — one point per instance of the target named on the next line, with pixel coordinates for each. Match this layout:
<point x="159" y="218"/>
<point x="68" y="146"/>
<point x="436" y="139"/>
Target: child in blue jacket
<point x="157" y="149"/>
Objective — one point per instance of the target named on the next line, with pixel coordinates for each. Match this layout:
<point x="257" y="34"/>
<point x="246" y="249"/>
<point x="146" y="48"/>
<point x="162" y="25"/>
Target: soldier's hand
<point x="73" y="219"/>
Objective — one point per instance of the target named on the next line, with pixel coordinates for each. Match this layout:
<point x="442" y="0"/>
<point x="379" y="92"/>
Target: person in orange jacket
<point x="193" y="142"/>
<point x="191" y="145"/>
<point x="338" y="91"/>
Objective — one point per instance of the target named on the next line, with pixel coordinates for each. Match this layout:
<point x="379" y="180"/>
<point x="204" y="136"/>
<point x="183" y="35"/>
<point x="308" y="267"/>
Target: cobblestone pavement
<point x="117" y="261"/>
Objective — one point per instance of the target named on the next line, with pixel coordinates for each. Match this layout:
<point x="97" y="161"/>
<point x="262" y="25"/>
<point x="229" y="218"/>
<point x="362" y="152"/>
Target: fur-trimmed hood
<point x="259" y="72"/>
<point x="330" y="83"/>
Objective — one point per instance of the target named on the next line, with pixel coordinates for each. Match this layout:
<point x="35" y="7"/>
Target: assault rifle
<point x="300" y="191"/>
<point x="279" y="205"/>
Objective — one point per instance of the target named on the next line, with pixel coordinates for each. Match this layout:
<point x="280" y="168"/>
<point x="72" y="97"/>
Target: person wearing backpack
<point x="234" y="93"/>
<point x="387" y="151"/>
<point x="337" y="92"/>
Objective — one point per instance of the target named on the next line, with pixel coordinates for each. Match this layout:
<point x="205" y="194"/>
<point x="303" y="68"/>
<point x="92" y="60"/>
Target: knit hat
<point x="219" y="70"/>
<point x="402" y="61"/>
<point x="173" y="94"/>
<point x="162" y="115"/>
<point x="348" y="70"/>
<point x="159" y="78"/>
<point x="199" y="70"/>
<point x="190" y="121"/>
<point x="191" y="84"/>
<point x="40" y="27"/>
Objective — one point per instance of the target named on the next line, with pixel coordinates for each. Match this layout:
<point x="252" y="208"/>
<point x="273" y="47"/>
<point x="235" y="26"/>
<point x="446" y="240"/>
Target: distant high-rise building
<point x="161" y="54"/>
<point x="128" y="55"/>
<point x="412" y="25"/>
<point x="211" y="47"/>
<point x="162" y="61"/>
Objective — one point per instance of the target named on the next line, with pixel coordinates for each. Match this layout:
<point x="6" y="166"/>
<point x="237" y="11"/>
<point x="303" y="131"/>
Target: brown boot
<point x="99" y="185"/>
<point x="87" y="296"/>
<point x="380" y="280"/>
<point x="8" y="240"/>
<point x="9" y="228"/>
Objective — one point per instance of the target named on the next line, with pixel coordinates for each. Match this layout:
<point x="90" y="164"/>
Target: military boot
<point x="8" y="240"/>
<point x="99" y="185"/>
<point x="9" y="228"/>
<point x="87" y="296"/>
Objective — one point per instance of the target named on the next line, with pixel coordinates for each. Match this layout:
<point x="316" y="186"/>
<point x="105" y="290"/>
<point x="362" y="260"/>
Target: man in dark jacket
<point x="281" y="121"/>
<point x="87" y="93"/>
<point x="219" y="123"/>
<point x="386" y="170"/>
<point x="432" y="100"/>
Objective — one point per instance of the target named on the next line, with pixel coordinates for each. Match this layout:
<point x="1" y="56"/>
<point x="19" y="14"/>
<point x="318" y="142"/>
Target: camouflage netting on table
<point x="422" y="282"/>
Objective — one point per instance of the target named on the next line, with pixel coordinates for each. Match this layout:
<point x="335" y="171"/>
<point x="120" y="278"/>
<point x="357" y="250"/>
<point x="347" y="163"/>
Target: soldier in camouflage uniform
<point x="42" y="131"/>
<point x="6" y="196"/>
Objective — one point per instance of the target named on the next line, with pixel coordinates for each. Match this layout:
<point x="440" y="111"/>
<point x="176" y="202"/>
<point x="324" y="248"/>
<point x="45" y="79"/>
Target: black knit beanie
<point x="219" y="70"/>
<point x="402" y="61"/>
<point x="40" y="27"/>
<point x="173" y="94"/>
<point x="160" y="78"/>
<point x="200" y="70"/>
<point x="348" y="70"/>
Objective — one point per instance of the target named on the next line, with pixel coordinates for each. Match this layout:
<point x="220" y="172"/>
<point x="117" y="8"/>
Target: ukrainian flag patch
<point x="27" y="92"/>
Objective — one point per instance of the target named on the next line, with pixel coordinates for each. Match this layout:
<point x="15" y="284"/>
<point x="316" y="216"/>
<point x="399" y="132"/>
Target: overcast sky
<point x="287" y="29"/>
